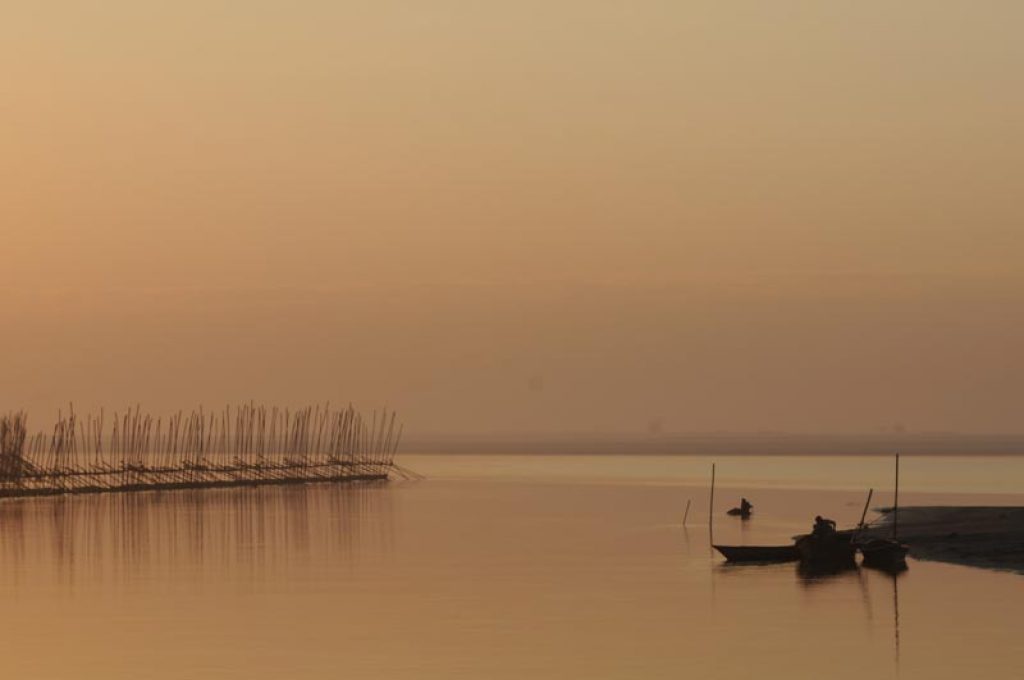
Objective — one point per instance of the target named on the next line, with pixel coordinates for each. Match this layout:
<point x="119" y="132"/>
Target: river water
<point x="500" y="567"/>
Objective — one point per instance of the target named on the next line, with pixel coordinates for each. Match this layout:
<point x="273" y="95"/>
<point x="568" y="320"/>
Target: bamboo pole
<point x="865" y="513"/>
<point x="711" y="507"/>
<point x="860" y="525"/>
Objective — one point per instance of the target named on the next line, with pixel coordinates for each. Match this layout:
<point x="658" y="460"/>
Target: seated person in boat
<point x="745" y="506"/>
<point x="823" y="527"/>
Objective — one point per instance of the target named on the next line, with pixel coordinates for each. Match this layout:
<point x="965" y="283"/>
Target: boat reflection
<point x="812" y="573"/>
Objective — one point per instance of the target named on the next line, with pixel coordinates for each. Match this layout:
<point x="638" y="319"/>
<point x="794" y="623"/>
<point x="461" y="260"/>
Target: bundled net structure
<point x="249" y="444"/>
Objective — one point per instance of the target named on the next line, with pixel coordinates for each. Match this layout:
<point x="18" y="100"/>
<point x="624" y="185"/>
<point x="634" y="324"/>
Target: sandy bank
<point x="991" y="537"/>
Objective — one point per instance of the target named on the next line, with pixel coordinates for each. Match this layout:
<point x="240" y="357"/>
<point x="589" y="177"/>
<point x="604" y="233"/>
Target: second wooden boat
<point x="883" y="553"/>
<point x="886" y="553"/>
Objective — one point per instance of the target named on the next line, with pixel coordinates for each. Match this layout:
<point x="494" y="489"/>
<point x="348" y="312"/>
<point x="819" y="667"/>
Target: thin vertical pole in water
<point x="896" y="501"/>
<point x="687" y="512"/>
<point x="711" y="507"/>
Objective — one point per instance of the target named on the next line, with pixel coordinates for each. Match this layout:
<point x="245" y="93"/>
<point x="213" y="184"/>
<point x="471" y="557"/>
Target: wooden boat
<point x="883" y="553"/>
<point x="833" y="549"/>
<point x="759" y="553"/>
<point x="738" y="512"/>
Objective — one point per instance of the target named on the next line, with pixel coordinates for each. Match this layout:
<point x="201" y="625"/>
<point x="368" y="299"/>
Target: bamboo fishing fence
<point x="248" y="445"/>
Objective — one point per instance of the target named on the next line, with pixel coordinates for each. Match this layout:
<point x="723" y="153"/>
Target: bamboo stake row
<point x="249" y="444"/>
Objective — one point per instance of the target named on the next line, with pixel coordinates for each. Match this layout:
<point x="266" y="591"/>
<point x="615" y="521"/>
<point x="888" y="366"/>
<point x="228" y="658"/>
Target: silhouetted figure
<point x="823" y="527"/>
<point x="743" y="511"/>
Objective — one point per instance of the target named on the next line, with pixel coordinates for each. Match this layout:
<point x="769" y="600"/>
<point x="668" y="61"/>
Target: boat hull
<point x="758" y="553"/>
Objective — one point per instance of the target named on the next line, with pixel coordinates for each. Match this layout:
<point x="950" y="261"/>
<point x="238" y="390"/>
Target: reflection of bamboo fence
<point x="250" y="445"/>
<point x="250" y="528"/>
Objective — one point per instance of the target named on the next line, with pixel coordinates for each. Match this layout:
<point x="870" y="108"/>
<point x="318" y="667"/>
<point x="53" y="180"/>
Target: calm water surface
<point x="499" y="567"/>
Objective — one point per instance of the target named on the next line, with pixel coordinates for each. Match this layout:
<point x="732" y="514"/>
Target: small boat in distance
<point x="759" y="553"/>
<point x="744" y="510"/>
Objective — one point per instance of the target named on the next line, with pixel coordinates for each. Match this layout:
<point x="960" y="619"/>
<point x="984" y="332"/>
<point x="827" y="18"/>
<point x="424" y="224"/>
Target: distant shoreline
<point x="726" y="445"/>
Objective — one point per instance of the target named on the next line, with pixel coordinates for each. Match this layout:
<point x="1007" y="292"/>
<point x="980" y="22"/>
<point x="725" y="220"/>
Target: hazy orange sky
<point x="530" y="217"/>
